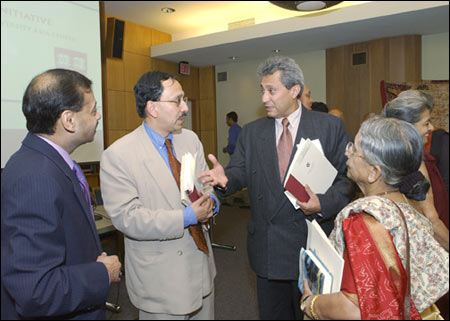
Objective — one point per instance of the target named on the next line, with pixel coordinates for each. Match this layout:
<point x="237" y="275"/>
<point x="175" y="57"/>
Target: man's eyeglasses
<point x="350" y="150"/>
<point x="177" y="102"/>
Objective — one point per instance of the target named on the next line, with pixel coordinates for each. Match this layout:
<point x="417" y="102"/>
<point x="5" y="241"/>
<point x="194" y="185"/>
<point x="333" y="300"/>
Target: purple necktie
<point x="83" y="184"/>
<point x="284" y="149"/>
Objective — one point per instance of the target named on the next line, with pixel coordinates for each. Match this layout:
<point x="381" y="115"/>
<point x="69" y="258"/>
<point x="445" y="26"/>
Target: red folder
<point x="193" y="196"/>
<point x="297" y="189"/>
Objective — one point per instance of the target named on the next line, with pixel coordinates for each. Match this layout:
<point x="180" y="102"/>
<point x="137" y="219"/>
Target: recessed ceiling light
<point x="276" y="50"/>
<point x="232" y="58"/>
<point x="167" y="10"/>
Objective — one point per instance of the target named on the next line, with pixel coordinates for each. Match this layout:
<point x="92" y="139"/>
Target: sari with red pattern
<point x="370" y="235"/>
<point x="373" y="271"/>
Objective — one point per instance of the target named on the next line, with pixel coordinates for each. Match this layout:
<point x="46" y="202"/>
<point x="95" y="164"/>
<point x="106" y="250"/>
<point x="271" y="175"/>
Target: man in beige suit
<point x="169" y="275"/>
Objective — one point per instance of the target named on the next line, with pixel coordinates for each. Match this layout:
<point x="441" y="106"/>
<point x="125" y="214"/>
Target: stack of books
<point x="320" y="264"/>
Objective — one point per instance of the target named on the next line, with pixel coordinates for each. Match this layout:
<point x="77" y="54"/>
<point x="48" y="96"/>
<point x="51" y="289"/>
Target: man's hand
<point x="313" y="205"/>
<point x="203" y="208"/>
<point x="112" y="265"/>
<point x="215" y="176"/>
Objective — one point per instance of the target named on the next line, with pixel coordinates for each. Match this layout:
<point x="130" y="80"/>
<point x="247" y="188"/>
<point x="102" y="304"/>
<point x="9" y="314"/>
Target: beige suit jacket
<point x="165" y="271"/>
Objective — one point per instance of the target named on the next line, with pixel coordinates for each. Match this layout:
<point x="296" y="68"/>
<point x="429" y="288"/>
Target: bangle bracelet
<point x="311" y="308"/>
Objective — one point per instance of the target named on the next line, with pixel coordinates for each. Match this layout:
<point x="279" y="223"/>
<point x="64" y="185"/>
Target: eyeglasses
<point x="177" y="102"/>
<point x="350" y="150"/>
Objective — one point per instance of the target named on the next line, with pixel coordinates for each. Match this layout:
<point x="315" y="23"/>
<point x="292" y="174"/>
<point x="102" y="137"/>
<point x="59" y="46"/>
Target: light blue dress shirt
<point x="189" y="216"/>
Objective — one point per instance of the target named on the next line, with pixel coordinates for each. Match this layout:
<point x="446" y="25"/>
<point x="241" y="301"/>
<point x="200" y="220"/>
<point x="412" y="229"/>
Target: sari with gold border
<point x="370" y="235"/>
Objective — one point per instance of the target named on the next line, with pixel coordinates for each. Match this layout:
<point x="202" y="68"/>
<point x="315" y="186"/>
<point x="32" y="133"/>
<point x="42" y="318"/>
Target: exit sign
<point x="184" y="68"/>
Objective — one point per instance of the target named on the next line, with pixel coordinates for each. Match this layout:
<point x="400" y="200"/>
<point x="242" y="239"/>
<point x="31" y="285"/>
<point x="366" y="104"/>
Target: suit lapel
<point x="267" y="154"/>
<point x="38" y="144"/>
<point x="305" y="130"/>
<point x="158" y="169"/>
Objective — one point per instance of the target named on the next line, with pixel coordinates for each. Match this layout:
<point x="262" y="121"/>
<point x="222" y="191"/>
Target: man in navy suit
<point x="52" y="260"/>
<point x="265" y="148"/>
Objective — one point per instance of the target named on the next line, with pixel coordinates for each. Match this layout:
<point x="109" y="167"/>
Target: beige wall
<point x="241" y="92"/>
<point x="435" y="56"/>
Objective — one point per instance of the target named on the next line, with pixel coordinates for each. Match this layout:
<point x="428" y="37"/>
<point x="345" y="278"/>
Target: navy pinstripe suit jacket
<point x="49" y="240"/>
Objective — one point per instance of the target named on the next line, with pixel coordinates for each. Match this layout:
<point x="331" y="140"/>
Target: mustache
<point x="184" y="114"/>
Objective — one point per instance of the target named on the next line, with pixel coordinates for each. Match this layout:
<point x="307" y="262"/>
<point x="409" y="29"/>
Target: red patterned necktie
<point x="195" y="230"/>
<point x="284" y="149"/>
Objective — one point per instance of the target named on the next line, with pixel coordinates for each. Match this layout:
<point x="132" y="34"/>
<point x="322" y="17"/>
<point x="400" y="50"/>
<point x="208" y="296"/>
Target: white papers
<point x="187" y="177"/>
<point x="319" y="244"/>
<point x="310" y="167"/>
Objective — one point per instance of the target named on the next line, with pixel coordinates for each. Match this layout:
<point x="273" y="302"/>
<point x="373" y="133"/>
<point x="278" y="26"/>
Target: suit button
<point x="180" y="253"/>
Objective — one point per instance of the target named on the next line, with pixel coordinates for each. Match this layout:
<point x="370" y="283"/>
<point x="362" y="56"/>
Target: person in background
<point x="52" y="260"/>
<point x="384" y="161"/>
<point x="337" y="112"/>
<point x="170" y="265"/>
<point x="415" y="107"/>
<point x="306" y="98"/>
<point x="276" y="230"/>
<point x="438" y="146"/>
<point x="233" y="132"/>
<point x="319" y="106"/>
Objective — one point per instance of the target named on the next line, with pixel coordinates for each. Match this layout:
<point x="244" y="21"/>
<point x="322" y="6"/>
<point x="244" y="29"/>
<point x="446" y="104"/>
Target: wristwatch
<point x="303" y="303"/>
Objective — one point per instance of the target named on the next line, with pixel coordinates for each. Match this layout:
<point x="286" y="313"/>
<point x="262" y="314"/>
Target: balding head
<point x="49" y="94"/>
<point x="337" y="112"/>
<point x="306" y="98"/>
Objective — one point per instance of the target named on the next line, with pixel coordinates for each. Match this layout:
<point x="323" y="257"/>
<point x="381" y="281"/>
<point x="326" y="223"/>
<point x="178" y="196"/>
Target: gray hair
<point x="409" y="106"/>
<point x="396" y="146"/>
<point x="291" y="74"/>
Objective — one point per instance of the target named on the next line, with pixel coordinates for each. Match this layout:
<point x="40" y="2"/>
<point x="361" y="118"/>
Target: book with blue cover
<point x="320" y="280"/>
<point x="320" y="264"/>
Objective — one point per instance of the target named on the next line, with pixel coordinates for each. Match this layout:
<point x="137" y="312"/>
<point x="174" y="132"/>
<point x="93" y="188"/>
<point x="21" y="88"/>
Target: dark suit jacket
<point x="276" y="231"/>
<point x="49" y="240"/>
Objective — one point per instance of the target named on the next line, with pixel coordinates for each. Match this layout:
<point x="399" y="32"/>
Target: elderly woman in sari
<point x="372" y="237"/>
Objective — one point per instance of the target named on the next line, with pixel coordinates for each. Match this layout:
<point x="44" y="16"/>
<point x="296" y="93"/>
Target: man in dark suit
<point x="276" y="231"/>
<point x="52" y="260"/>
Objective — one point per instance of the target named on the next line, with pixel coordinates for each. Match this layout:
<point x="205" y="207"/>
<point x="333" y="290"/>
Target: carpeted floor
<point x="235" y="283"/>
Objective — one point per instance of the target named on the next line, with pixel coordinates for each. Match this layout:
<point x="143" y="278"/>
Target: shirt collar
<point x="156" y="138"/>
<point x="61" y="151"/>
<point x="293" y="118"/>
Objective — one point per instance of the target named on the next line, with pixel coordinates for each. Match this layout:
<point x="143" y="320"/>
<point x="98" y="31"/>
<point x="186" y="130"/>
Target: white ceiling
<point x="280" y="29"/>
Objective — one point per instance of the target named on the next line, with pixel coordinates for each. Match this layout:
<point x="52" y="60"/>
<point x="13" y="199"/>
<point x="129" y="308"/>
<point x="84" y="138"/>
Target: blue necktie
<point x="83" y="184"/>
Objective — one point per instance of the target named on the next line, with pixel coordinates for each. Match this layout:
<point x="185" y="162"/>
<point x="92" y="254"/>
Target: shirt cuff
<point x="217" y="204"/>
<point x="189" y="217"/>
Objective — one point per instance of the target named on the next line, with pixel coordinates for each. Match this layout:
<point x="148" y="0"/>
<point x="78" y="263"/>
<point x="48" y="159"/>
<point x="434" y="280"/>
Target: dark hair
<point x="396" y="146"/>
<point x="319" y="106"/>
<point x="51" y="93"/>
<point x="149" y="88"/>
<point x="233" y="116"/>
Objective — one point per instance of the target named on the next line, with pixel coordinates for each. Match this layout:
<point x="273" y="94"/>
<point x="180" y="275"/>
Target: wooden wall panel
<point x="137" y="39"/>
<point x="135" y="66"/>
<point x="356" y="89"/>
<point x="115" y="74"/>
<point x="132" y="118"/>
<point x="159" y="37"/>
<point x="116" y="111"/>
<point x="122" y="75"/>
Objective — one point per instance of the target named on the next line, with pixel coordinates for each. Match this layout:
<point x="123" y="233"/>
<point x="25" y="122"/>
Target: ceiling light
<point x="305" y="5"/>
<point x="276" y="50"/>
<point x="168" y="10"/>
<point x="232" y="58"/>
